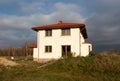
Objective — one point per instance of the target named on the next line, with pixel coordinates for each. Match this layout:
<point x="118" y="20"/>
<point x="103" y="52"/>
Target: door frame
<point x="65" y="49"/>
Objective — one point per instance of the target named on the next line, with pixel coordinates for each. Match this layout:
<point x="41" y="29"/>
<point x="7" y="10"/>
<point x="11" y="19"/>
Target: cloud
<point x="103" y="26"/>
<point x="16" y="30"/>
<point x="62" y="10"/>
<point x="104" y="6"/>
<point x="32" y="7"/>
<point x="58" y="13"/>
<point x="14" y="22"/>
<point x="100" y="16"/>
<point x="67" y="7"/>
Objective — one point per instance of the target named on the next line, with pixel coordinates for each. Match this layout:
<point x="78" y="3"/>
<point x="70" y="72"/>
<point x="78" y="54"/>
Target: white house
<point x="54" y="41"/>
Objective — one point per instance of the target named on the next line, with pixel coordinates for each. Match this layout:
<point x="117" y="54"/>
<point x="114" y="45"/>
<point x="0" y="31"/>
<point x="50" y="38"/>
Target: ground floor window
<point x="48" y="49"/>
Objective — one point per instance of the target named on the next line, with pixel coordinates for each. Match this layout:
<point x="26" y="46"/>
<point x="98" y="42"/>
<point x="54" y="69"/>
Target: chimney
<point x="59" y="22"/>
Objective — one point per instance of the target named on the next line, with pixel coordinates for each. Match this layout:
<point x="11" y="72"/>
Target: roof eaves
<point x="63" y="26"/>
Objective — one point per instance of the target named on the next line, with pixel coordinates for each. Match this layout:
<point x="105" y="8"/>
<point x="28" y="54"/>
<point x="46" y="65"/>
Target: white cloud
<point x="17" y="28"/>
<point x="9" y="21"/>
<point x="102" y="27"/>
<point x="33" y="7"/>
<point x="69" y="7"/>
<point x="61" y="11"/>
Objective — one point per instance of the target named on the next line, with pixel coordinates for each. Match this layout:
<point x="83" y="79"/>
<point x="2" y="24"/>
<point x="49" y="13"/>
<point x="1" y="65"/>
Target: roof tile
<point x="61" y="25"/>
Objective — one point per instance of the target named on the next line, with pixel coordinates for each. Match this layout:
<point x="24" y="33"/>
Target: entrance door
<point x="66" y="49"/>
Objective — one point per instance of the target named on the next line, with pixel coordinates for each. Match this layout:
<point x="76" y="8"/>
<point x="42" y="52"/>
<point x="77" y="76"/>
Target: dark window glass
<point x="66" y="32"/>
<point x="48" y="48"/>
<point x="48" y="32"/>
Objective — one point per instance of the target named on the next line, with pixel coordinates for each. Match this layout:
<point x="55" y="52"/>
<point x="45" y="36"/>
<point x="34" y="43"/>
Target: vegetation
<point x="101" y="67"/>
<point x="22" y="51"/>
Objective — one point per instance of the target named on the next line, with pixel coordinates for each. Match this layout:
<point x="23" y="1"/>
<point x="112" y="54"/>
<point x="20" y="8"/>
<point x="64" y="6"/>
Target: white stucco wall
<point x="56" y="41"/>
<point x="76" y="40"/>
<point x="86" y="48"/>
<point x="35" y="53"/>
<point x="82" y="39"/>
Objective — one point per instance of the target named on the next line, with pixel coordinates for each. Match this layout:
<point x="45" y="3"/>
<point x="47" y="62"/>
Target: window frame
<point x="66" y="32"/>
<point x="48" y="49"/>
<point x="48" y="32"/>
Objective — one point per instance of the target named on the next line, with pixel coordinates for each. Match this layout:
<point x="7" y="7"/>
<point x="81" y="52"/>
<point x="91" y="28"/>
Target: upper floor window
<point x="66" y="32"/>
<point x="48" y="32"/>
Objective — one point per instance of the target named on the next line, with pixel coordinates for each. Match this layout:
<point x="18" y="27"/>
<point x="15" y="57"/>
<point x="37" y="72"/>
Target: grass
<point x="94" y="68"/>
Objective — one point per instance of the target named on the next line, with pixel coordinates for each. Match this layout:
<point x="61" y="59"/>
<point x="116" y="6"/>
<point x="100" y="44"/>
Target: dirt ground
<point x="4" y="61"/>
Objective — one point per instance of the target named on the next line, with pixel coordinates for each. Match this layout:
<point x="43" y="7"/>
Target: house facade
<point x="55" y="41"/>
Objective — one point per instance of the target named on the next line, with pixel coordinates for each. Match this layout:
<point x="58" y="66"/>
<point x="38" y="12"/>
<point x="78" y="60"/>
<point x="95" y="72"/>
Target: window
<point x="48" y="32"/>
<point x="48" y="48"/>
<point x="66" y="50"/>
<point x="65" y="32"/>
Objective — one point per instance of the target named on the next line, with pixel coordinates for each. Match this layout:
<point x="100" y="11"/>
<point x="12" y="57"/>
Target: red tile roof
<point x="86" y="43"/>
<point x="32" y="46"/>
<point x="61" y="25"/>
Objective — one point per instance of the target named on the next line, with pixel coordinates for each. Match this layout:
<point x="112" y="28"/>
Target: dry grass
<point x="4" y="61"/>
<point x="101" y="67"/>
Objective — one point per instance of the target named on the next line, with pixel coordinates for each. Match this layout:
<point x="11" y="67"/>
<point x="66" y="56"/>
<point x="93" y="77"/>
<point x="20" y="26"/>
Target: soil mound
<point x="4" y="61"/>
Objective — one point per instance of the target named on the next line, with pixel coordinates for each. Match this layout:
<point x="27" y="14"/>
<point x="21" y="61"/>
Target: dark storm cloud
<point x="15" y="37"/>
<point x="104" y="25"/>
<point x="14" y="31"/>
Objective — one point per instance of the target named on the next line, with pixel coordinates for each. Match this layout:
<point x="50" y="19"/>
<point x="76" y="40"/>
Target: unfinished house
<point x="58" y="40"/>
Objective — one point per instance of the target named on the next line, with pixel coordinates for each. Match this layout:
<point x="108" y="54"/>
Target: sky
<point x="101" y="17"/>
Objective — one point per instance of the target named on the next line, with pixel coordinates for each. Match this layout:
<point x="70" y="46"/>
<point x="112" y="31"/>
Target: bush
<point x="69" y="55"/>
